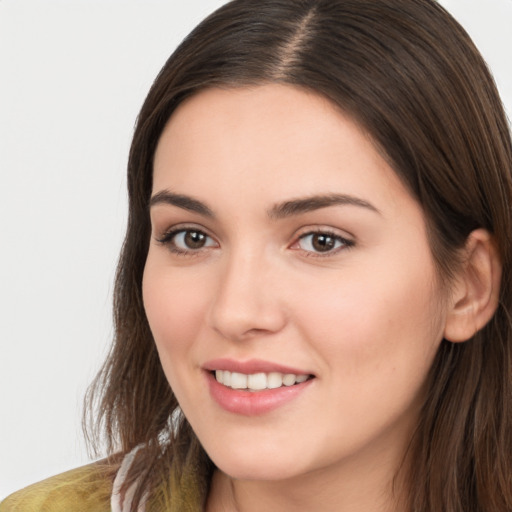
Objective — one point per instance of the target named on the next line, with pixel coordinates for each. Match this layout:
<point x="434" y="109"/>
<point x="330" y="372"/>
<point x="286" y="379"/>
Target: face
<point x="289" y="285"/>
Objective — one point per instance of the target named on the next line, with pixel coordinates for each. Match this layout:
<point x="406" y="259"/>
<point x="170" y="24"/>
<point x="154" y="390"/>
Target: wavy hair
<point x="411" y="77"/>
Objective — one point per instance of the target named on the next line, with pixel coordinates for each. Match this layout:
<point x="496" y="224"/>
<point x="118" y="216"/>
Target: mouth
<point x="255" y="387"/>
<point x="260" y="381"/>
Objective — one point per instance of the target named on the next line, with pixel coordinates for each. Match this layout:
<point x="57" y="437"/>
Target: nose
<point x="248" y="299"/>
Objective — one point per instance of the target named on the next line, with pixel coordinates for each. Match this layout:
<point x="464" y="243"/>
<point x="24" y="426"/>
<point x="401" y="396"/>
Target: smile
<point x="255" y="387"/>
<point x="258" y="381"/>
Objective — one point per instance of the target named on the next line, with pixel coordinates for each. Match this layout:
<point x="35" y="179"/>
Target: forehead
<point x="274" y="141"/>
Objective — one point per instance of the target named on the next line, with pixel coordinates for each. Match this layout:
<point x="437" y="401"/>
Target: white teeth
<point x="289" y="379"/>
<point x="274" y="380"/>
<point x="258" y="381"/>
<point x="238" y="380"/>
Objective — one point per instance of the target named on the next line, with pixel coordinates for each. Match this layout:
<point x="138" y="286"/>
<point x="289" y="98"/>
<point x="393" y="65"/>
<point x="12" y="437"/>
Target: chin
<point x="247" y="467"/>
<point x="248" y="471"/>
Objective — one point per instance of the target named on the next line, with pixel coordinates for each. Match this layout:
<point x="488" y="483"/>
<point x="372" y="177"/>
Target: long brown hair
<point x="408" y="73"/>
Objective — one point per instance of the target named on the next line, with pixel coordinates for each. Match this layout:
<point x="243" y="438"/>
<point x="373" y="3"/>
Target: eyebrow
<point x="307" y="204"/>
<point x="181" y="201"/>
<point x="278" y="211"/>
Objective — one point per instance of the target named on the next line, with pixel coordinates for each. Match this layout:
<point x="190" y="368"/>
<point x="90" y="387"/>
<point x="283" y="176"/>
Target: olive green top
<point x="89" y="489"/>
<point x="80" y="490"/>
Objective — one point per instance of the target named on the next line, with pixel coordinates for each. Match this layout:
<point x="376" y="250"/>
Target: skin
<point x="365" y="318"/>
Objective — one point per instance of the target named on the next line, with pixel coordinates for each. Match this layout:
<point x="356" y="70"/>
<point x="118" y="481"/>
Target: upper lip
<point x="251" y="366"/>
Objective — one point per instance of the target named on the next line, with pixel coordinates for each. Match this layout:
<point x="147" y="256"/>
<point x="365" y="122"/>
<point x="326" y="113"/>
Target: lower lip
<point x="253" y="403"/>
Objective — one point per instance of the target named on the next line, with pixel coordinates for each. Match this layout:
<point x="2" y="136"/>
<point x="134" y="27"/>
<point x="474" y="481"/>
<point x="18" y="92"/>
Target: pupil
<point x="195" y="239"/>
<point x="323" y="243"/>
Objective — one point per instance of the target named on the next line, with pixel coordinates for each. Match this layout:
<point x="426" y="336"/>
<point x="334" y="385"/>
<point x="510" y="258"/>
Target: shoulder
<point x="84" y="489"/>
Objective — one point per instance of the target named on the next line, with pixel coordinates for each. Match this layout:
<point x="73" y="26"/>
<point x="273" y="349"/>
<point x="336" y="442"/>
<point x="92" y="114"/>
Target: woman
<point x="313" y="299"/>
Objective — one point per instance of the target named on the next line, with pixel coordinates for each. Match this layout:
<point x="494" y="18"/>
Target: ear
<point x="475" y="293"/>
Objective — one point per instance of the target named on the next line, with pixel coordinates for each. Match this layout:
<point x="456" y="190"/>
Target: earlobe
<point x="475" y="294"/>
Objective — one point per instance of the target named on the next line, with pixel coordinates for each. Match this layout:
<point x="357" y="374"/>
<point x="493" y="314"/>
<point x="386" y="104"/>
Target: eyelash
<point x="344" y="243"/>
<point x="168" y="240"/>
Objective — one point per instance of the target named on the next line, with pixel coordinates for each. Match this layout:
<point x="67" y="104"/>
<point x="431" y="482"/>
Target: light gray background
<point x="73" y="74"/>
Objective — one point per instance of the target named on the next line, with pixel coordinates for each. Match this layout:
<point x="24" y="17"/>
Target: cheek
<point x="175" y="313"/>
<point x="375" y="337"/>
<point x="175" y="309"/>
<point x="384" y="319"/>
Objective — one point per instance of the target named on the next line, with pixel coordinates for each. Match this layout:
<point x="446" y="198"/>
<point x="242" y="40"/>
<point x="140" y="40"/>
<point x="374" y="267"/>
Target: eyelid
<point x="163" y="233"/>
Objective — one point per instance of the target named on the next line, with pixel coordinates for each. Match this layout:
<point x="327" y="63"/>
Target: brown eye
<point x="194" y="239"/>
<point x="187" y="240"/>
<point x="322" y="242"/>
